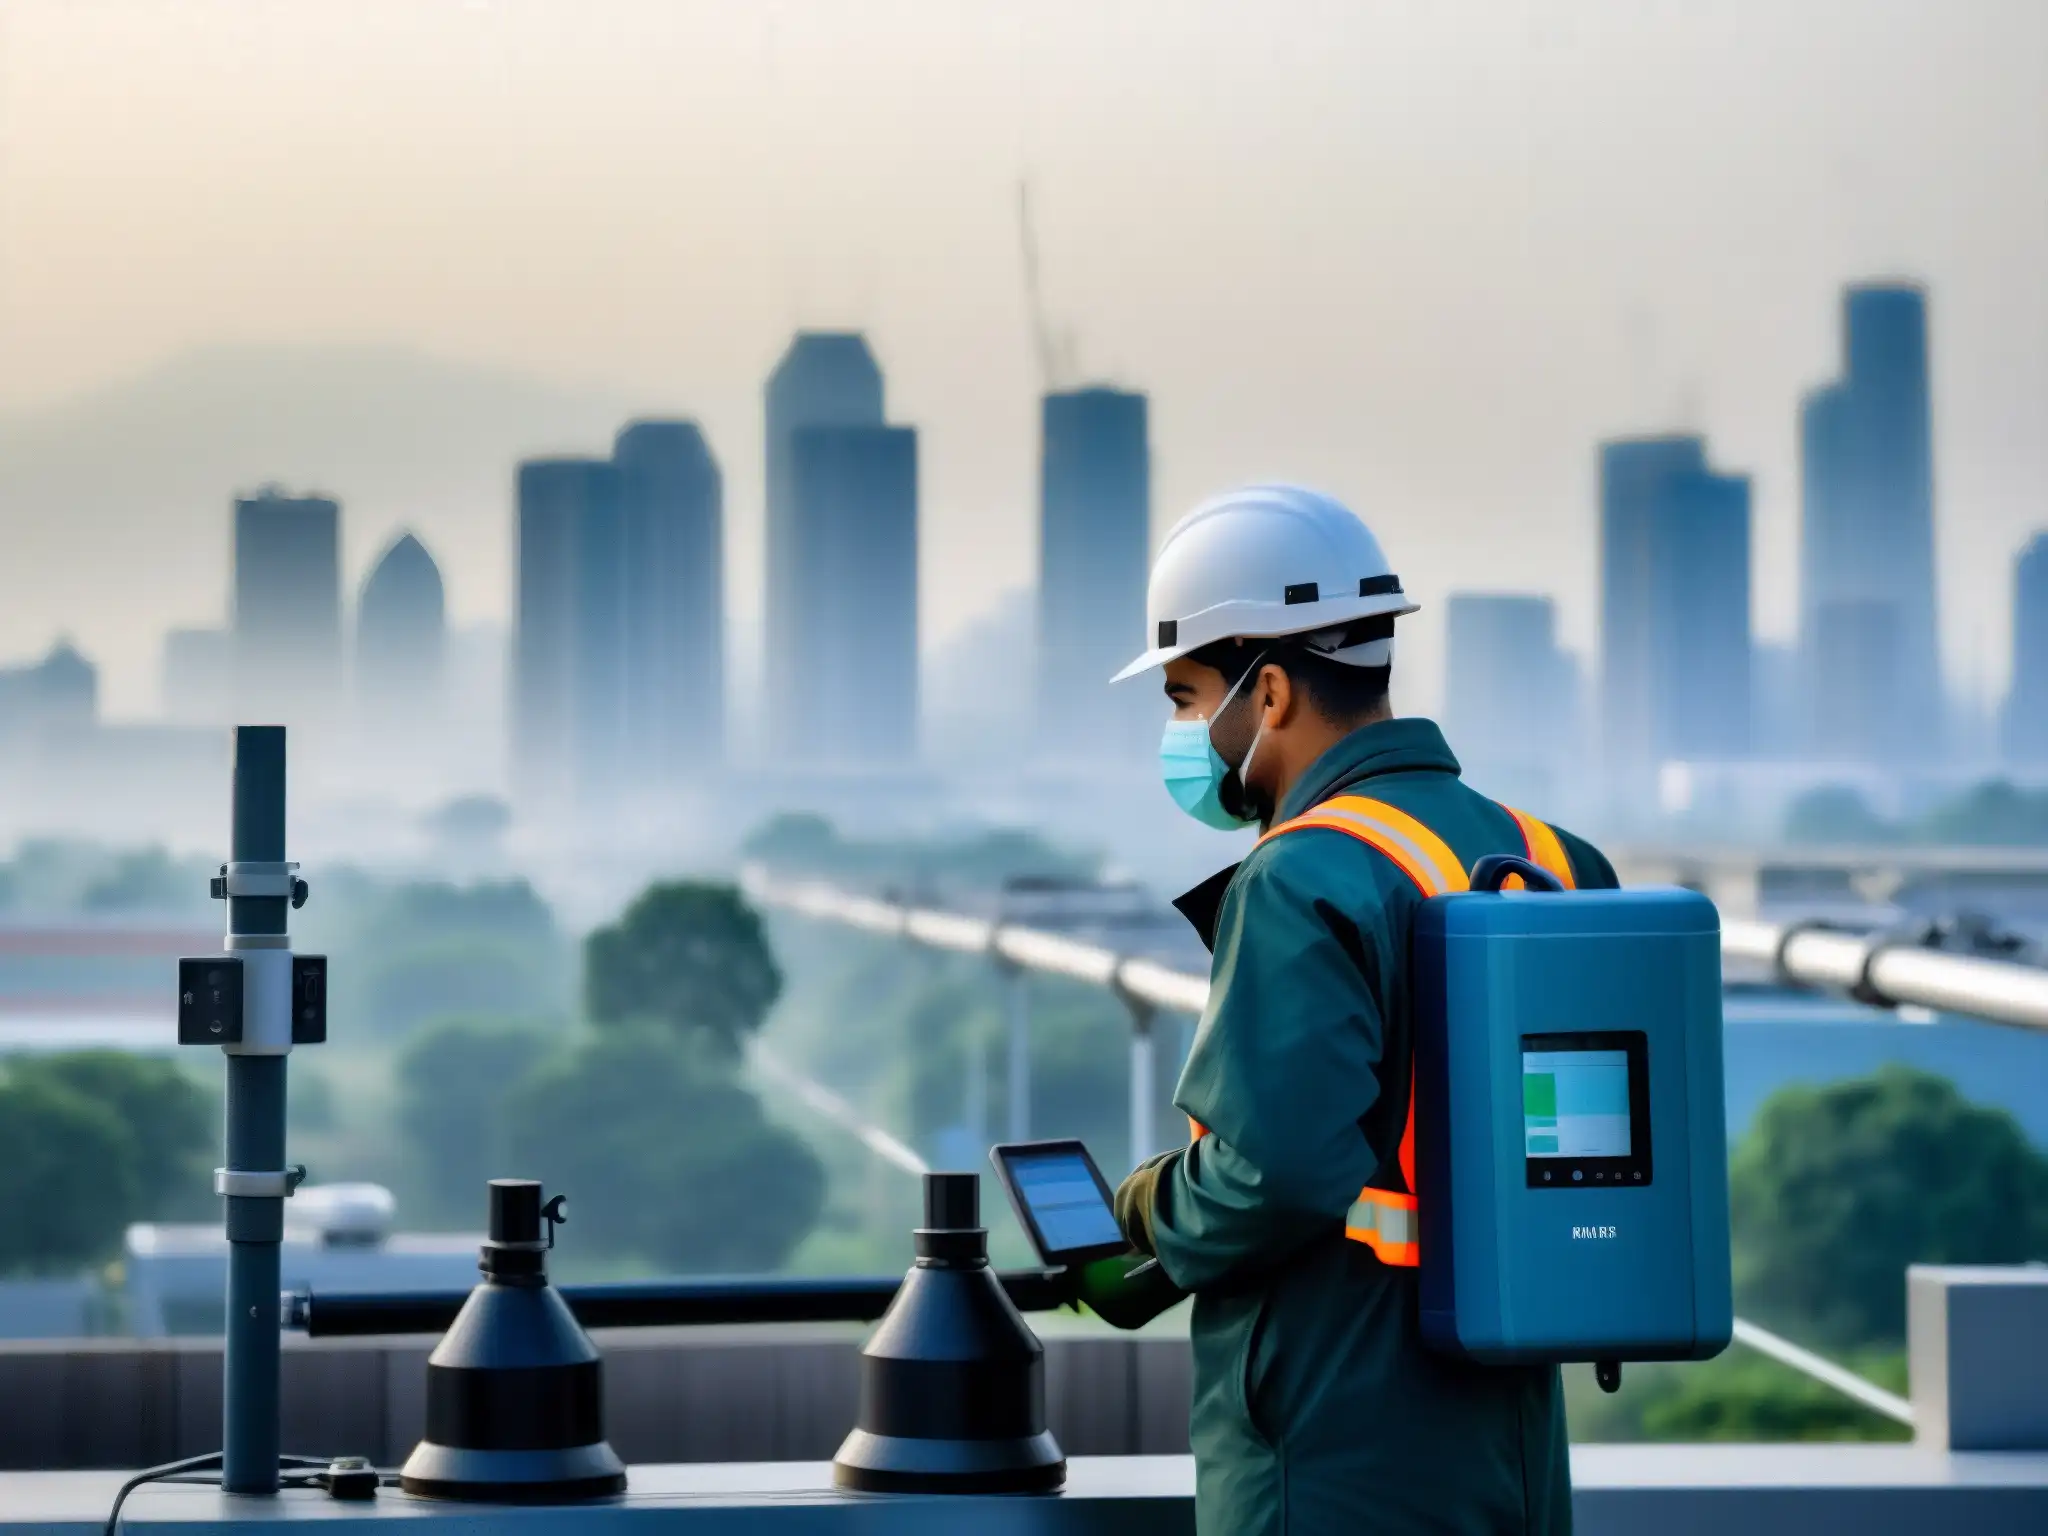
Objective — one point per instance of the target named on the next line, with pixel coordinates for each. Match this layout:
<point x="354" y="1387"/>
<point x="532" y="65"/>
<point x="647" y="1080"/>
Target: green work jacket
<point x="1317" y="1410"/>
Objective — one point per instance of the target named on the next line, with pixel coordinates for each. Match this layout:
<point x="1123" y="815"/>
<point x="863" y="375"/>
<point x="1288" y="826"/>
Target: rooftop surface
<point x="1668" y="1490"/>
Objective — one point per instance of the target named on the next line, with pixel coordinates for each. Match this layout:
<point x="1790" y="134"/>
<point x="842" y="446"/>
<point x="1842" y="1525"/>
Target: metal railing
<point x="1032" y="949"/>
<point x="1889" y="971"/>
<point x="1877" y="968"/>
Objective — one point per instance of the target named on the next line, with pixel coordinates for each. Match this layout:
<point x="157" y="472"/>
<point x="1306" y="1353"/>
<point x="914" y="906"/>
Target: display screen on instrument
<point x="1575" y="1103"/>
<point x="1060" y="1189"/>
<point x="1585" y="1109"/>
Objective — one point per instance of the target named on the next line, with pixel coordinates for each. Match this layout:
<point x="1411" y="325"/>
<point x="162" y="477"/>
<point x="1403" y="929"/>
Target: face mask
<point x="1194" y="770"/>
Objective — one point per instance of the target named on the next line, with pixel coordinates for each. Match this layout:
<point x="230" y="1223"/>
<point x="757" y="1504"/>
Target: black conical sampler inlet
<point x="952" y="1385"/>
<point x="515" y="1389"/>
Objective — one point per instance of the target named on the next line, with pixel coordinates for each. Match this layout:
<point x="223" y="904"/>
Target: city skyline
<point x="1455" y="250"/>
<point x="643" y="664"/>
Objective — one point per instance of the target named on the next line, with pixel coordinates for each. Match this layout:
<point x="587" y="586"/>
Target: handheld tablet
<point x="1061" y="1199"/>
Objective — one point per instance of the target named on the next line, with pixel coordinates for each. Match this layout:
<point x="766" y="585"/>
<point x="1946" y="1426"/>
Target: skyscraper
<point x="1867" y="585"/>
<point x="57" y="696"/>
<point x="1508" y="703"/>
<point x="1675" y="607"/>
<point x="1701" y="632"/>
<point x="1094" y="549"/>
<point x="2026" y="704"/>
<point x="401" y="640"/>
<point x="287" y="607"/>
<point x="675" y="588"/>
<point x="856" y="673"/>
<point x="825" y="379"/>
<point x="569" y="633"/>
<point x="198" y="679"/>
<point x="1781" y="725"/>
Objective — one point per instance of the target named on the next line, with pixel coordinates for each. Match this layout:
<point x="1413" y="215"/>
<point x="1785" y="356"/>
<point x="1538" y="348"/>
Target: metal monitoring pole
<point x="254" y="1003"/>
<point x="1144" y="1135"/>
<point x="976" y="1108"/>
<point x="1017" y="1013"/>
<point x="255" y="1181"/>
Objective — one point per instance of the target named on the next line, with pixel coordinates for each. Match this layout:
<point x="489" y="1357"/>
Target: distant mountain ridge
<point x="115" y="505"/>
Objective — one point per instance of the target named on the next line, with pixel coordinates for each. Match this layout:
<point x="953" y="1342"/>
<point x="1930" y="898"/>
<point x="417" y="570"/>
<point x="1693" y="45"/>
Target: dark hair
<point x="1340" y="693"/>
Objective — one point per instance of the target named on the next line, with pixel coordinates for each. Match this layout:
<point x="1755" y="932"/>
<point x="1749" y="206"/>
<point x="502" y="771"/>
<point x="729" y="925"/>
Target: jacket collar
<point x="1411" y="745"/>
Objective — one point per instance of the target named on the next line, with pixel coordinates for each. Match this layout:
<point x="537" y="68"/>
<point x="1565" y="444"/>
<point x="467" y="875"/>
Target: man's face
<point x="1195" y="691"/>
<point x="1198" y="693"/>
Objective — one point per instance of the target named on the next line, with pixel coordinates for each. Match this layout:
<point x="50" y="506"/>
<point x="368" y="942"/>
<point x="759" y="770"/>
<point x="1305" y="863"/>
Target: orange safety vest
<point x="1386" y="1220"/>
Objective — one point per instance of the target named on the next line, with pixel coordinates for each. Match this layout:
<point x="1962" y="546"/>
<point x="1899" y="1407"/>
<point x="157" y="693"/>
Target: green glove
<point x="1127" y="1290"/>
<point x="1134" y="1200"/>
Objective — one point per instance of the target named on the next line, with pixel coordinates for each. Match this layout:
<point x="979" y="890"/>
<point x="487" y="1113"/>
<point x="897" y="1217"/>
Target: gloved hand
<point x="1134" y="1199"/>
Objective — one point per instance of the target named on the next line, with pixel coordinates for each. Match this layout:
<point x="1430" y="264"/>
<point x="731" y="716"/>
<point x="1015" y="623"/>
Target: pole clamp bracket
<point x="1141" y="1010"/>
<point x="1781" y="970"/>
<point x="245" y="1184"/>
<point x="1909" y="935"/>
<point x="261" y="879"/>
<point x="1876" y="943"/>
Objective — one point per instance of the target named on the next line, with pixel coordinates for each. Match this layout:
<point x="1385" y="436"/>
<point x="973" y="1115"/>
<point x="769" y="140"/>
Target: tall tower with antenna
<point x="1054" y="352"/>
<point x="1094" y="541"/>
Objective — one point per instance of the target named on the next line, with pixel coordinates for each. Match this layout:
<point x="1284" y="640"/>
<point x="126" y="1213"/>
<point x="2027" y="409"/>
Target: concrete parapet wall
<point x="671" y="1396"/>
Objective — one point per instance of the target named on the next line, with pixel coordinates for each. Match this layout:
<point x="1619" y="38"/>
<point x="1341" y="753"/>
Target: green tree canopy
<point x="981" y="859"/>
<point x="149" y="880"/>
<point x="1996" y="813"/>
<point x="169" y="1122"/>
<point x="89" y="1142"/>
<point x="689" y="955"/>
<point x="1835" y="813"/>
<point x="664" y="1155"/>
<point x="408" y="955"/>
<point x="1836" y="1190"/>
<point x="51" y="875"/>
<point x="471" y="819"/>
<point x="455" y="1081"/>
<point x="1738" y="1396"/>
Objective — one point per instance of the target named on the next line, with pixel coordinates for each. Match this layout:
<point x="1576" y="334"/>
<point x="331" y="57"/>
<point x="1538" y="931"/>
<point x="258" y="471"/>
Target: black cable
<point x="294" y="1472"/>
<point x="156" y="1474"/>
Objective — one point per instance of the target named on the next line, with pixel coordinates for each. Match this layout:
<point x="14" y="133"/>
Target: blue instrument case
<point x="1571" y="1135"/>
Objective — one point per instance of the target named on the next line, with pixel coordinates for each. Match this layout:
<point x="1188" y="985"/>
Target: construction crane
<point x="1055" y="353"/>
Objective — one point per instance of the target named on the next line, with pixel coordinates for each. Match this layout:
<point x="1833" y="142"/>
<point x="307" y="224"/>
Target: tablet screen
<point x="1061" y="1200"/>
<point x="1061" y="1192"/>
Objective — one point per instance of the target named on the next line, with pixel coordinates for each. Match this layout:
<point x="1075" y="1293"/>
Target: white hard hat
<point x="1267" y="560"/>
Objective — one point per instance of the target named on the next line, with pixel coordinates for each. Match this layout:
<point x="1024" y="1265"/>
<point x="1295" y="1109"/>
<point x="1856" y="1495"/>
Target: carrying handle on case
<point x="1491" y="873"/>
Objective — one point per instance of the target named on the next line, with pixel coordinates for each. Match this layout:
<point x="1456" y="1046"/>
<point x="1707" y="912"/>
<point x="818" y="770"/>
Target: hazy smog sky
<point x="1423" y="254"/>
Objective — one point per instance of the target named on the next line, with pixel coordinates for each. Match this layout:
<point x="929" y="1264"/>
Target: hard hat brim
<point x="1159" y="656"/>
<point x="1265" y="621"/>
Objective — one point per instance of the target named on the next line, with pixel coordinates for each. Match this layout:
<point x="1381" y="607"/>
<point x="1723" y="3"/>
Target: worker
<point x="1291" y="1213"/>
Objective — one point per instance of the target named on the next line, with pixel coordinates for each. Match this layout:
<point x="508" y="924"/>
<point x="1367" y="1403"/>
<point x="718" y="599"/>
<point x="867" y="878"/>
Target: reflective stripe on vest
<point x="1545" y="851"/>
<point x="1385" y="1220"/>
